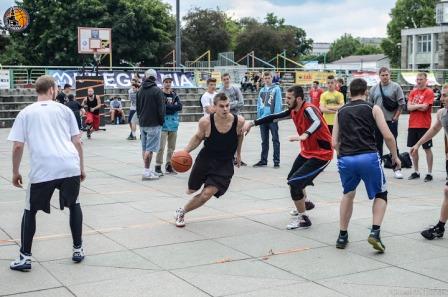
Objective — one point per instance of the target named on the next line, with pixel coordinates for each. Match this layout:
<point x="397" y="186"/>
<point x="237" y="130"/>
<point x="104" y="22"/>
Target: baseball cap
<point x="151" y="73"/>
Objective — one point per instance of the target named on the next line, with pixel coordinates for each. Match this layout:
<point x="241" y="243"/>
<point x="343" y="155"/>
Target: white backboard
<point x="90" y="39"/>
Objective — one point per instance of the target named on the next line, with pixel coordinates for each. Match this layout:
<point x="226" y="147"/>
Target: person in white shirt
<point x="51" y="132"/>
<point x="207" y="97"/>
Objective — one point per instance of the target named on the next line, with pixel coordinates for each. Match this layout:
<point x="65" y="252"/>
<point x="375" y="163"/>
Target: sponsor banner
<point x="410" y="78"/>
<point x="288" y="78"/>
<point x="307" y="77"/>
<point x="202" y="76"/>
<point x="4" y="79"/>
<point x="122" y="79"/>
<point x="371" y="77"/>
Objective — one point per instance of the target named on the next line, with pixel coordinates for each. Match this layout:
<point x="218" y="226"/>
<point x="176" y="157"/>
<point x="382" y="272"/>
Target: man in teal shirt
<point x="269" y="102"/>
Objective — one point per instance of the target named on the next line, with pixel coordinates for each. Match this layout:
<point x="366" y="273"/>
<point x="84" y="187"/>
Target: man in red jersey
<point x="419" y="106"/>
<point x="316" y="150"/>
<point x="315" y="93"/>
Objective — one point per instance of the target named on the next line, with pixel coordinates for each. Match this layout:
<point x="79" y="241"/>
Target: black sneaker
<point x="309" y="205"/>
<point x="276" y="165"/>
<point x="375" y="240"/>
<point x="260" y="164"/>
<point x="243" y="164"/>
<point x="158" y="170"/>
<point x="342" y="241"/>
<point x="169" y="169"/>
<point x="428" y="178"/>
<point x="414" y="175"/>
<point x="89" y="134"/>
<point x="433" y="232"/>
<point x="130" y="137"/>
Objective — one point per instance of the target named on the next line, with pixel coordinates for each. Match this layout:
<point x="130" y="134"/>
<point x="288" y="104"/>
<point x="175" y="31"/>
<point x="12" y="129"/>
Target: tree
<point x="140" y="31"/>
<point x="368" y="49"/>
<point x="205" y="29"/>
<point x="344" y="46"/>
<point x="271" y="38"/>
<point x="406" y="14"/>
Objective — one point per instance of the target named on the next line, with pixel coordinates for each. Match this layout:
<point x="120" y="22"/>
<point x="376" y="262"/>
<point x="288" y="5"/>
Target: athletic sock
<point x="441" y="225"/>
<point x="375" y="227"/>
<point x="342" y="233"/>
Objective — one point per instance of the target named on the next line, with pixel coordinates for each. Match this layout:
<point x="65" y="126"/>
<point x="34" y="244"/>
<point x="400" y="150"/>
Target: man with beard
<point x="315" y="154"/>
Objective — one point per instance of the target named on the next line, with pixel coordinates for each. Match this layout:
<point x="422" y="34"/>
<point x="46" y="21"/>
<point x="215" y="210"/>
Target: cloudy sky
<point x="323" y="20"/>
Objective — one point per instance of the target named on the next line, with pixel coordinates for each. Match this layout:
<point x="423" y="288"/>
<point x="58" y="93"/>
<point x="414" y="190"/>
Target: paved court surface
<point x="234" y="246"/>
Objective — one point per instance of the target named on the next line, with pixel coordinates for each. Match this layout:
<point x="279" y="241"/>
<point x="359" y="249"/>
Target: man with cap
<point x="170" y="126"/>
<point x="151" y="115"/>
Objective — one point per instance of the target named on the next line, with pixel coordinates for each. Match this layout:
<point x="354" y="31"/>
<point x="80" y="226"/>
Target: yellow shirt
<point x="329" y="100"/>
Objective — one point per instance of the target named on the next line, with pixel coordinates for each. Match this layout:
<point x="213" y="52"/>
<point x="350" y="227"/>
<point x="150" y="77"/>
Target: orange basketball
<point x="181" y="161"/>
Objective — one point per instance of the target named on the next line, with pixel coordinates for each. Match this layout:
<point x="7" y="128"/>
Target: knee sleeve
<point x="382" y="195"/>
<point x="296" y="192"/>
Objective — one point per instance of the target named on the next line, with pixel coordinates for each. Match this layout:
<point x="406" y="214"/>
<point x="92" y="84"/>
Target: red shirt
<point x="418" y="118"/>
<point x="315" y="96"/>
<point x="318" y="144"/>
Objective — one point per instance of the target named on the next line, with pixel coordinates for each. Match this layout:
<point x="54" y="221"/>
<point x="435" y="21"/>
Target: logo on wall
<point x="16" y="19"/>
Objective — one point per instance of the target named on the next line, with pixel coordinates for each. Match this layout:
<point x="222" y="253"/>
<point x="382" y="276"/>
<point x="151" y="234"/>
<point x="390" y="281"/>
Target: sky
<point x="322" y="20"/>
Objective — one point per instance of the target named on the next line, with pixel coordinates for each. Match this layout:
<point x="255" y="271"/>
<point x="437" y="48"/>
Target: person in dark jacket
<point x="170" y="126"/>
<point x="151" y="115"/>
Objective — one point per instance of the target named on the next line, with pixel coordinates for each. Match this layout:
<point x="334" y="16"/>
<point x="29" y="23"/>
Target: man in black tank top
<point x="358" y="159"/>
<point x="441" y="121"/>
<point x="213" y="167"/>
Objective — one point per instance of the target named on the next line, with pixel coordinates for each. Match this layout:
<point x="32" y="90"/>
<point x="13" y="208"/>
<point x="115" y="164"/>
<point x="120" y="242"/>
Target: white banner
<point x="4" y="79"/>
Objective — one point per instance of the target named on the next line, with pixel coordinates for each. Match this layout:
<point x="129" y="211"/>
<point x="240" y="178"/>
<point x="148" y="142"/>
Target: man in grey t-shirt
<point x="395" y="93"/>
<point x="235" y="98"/>
<point x="233" y="93"/>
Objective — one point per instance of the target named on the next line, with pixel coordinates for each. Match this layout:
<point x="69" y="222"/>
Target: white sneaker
<point x="179" y="217"/>
<point x="22" y="263"/>
<point x="294" y="212"/>
<point x="78" y="255"/>
<point x="301" y="222"/>
<point x="398" y="174"/>
<point x="150" y="176"/>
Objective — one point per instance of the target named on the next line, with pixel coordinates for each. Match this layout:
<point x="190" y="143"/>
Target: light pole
<point x="178" y="38"/>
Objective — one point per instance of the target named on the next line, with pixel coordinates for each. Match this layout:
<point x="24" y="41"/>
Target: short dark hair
<point x="211" y="79"/>
<point x="267" y="73"/>
<point x="331" y="76"/>
<point x="383" y="69"/>
<point x="219" y="97"/>
<point x="315" y="82"/>
<point x="70" y="97"/>
<point x="67" y="86"/>
<point x="225" y="74"/>
<point x="44" y="84"/>
<point x="297" y="91"/>
<point x="340" y="80"/>
<point x="358" y="87"/>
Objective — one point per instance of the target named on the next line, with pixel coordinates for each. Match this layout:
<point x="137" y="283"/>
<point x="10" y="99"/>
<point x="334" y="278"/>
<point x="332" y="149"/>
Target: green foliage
<point x="344" y="46"/>
<point x="271" y="38"/>
<point x="205" y="29"/>
<point x="407" y="14"/>
<point x="141" y="31"/>
<point x="368" y="49"/>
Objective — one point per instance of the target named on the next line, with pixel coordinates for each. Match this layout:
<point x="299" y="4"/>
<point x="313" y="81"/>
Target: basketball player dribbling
<point x="213" y="167"/>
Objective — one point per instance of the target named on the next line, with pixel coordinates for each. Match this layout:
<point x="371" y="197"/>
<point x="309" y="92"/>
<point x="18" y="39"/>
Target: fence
<point x="25" y="76"/>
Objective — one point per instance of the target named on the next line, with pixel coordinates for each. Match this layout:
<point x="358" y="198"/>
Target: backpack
<point x="405" y="159"/>
<point x="200" y="101"/>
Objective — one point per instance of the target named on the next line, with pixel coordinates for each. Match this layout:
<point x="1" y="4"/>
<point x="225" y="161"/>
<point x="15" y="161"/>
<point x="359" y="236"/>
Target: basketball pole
<point x="178" y="38"/>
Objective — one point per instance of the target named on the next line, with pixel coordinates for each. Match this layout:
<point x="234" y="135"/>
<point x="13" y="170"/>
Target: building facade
<point x="425" y="48"/>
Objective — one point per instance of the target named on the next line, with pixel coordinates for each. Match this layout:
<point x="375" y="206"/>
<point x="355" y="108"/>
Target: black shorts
<point x="304" y="171"/>
<point x="131" y="115"/>
<point x="415" y="134"/>
<point x="39" y="194"/>
<point x="211" y="172"/>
